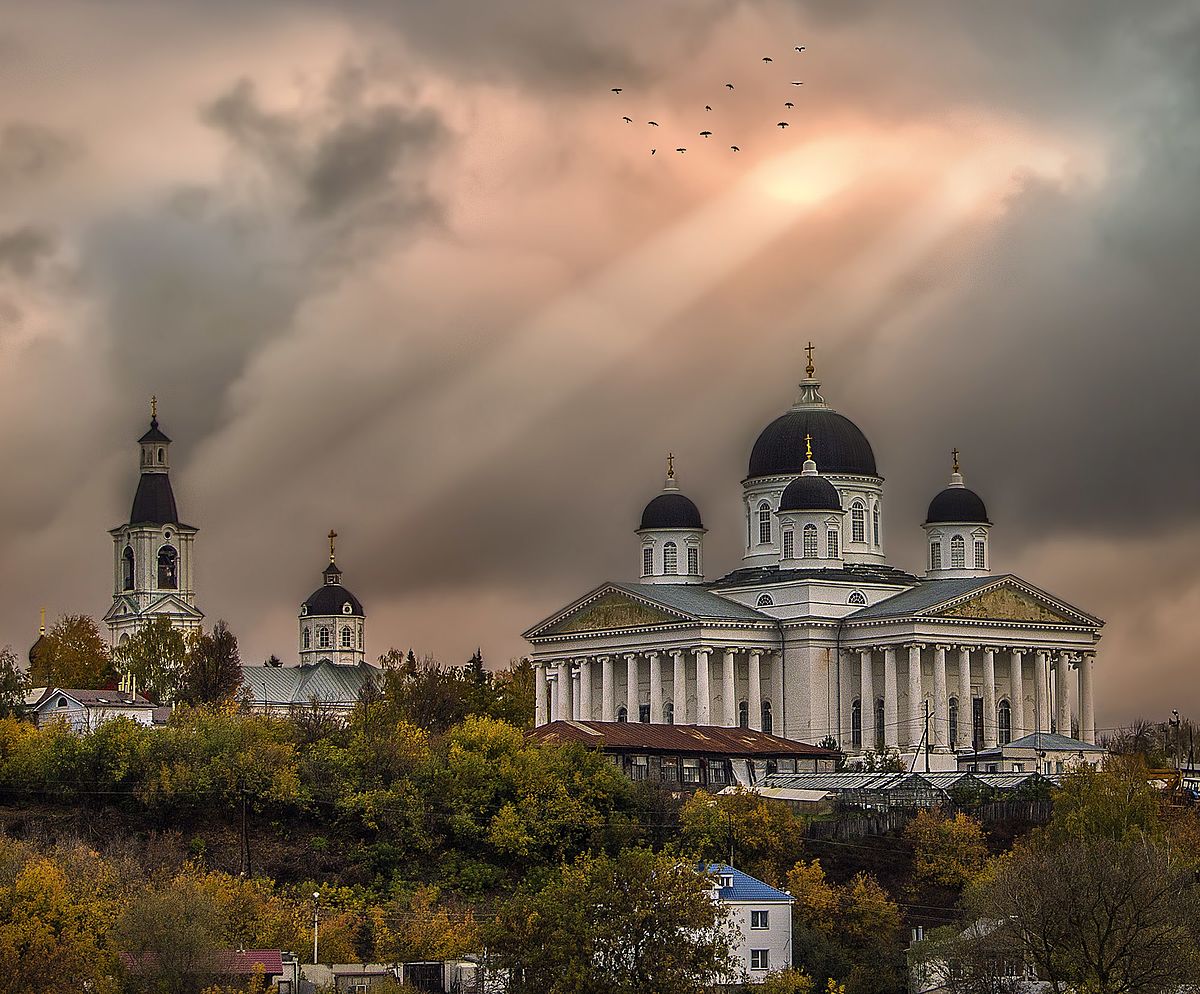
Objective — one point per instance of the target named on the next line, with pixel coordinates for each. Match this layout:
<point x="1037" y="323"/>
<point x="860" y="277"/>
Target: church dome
<point x="333" y="598"/>
<point x="671" y="510"/>
<point x="843" y="447"/>
<point x="154" y="502"/>
<point x="810" y="493"/>
<point x="957" y="504"/>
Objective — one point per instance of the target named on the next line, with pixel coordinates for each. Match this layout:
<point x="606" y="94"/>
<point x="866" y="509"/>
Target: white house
<point x="86" y="710"/>
<point x="1039" y="752"/>
<point x="763" y="916"/>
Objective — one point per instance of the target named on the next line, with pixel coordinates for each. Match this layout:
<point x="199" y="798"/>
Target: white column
<point x="1062" y="688"/>
<point x="1087" y="702"/>
<point x="866" y="683"/>
<point x="891" y="700"/>
<point x="656" y="689"/>
<point x="631" y="686"/>
<point x="564" y="691"/>
<point x="777" y="719"/>
<point x="941" y="699"/>
<point x="679" y="687"/>
<point x="755" y="694"/>
<point x="1016" y="691"/>
<point x="966" y="700"/>
<point x="916" y="695"/>
<point x="1041" y="690"/>
<point x="989" y="697"/>
<point x="585" y="689"/>
<point x="540" y="702"/>
<point x="703" y="700"/>
<point x="608" y="700"/>
<point x="847" y="664"/>
<point x="729" y="689"/>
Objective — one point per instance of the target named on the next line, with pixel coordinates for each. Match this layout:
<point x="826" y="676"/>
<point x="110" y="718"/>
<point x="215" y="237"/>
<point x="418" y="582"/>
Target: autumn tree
<point x="13" y="684"/>
<point x="74" y="655"/>
<point x="616" y="925"/>
<point x="947" y="852"/>
<point x="765" y="836"/>
<point x="170" y="933"/>
<point x="154" y="657"/>
<point x="212" y="668"/>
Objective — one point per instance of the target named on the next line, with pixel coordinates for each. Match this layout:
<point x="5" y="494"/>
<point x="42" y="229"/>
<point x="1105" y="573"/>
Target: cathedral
<point x="816" y="635"/>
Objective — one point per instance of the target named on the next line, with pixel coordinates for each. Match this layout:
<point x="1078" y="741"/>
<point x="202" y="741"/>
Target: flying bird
<point x="653" y="124"/>
<point x="653" y="150"/>
<point x="681" y="150"/>
<point x="789" y="105"/>
<point x="767" y="58"/>
<point x="800" y="48"/>
<point x="705" y="134"/>
<point x="797" y="82"/>
<point x="734" y="148"/>
<point x="782" y="124"/>
<point x="706" y="107"/>
<point x="627" y="120"/>
<point x="729" y="86"/>
<point x="616" y="89"/>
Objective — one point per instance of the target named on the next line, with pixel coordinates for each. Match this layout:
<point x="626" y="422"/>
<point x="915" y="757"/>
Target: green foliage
<point x="73" y="654"/>
<point x="13" y="684"/>
<point x="766" y="836"/>
<point x="212" y="668"/>
<point x="1113" y="803"/>
<point x="787" y="981"/>
<point x="154" y="657"/>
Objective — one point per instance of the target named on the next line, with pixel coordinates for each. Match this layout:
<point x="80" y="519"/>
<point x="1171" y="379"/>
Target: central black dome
<point x="810" y="493"/>
<point x="671" y="510"/>
<point x="838" y="445"/>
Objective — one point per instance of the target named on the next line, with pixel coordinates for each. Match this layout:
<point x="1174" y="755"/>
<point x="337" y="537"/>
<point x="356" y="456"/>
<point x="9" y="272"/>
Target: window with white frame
<point x="760" y="959"/>
<point x="347" y="637"/>
<point x="810" y="541"/>
<point x="980" y="554"/>
<point x="833" y="538"/>
<point x="647" y="560"/>
<point x="958" y="552"/>
<point x="857" y="597"/>
<point x="1004" y="722"/>
<point x="693" y="561"/>
<point x="765" y="600"/>
<point x="760" y="919"/>
<point x="306" y="639"/>
<point x="670" y="558"/>
<point x="858" y="521"/>
<point x="789" y="543"/>
<point x="856" y="724"/>
<point x="875" y="523"/>
<point x="935" y="555"/>
<point x="764" y="523"/>
<point x="324" y="638"/>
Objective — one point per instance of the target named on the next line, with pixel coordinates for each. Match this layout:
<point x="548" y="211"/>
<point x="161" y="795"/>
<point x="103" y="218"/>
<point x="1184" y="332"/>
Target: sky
<point x="401" y="269"/>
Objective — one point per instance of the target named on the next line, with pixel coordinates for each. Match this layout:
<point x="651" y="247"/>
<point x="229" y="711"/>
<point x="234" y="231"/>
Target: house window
<point x="879" y="740"/>
<point x="1004" y="722"/>
<point x="669" y="712"/>
<point x="691" y="771"/>
<point x="875" y="523"/>
<point x="789" y="544"/>
<point x="765" y="600"/>
<point x="767" y="720"/>
<point x="760" y="919"/>
<point x="958" y="552"/>
<point x="980" y="554"/>
<point x="760" y="959"/>
<point x="306" y="639"/>
<point x="833" y="540"/>
<point x="347" y="637"/>
<point x="935" y="555"/>
<point x="647" y="561"/>
<point x="810" y="541"/>
<point x="644" y="714"/>
<point x="693" y="561"/>
<point x="764" y="523"/>
<point x="168" y="561"/>
<point x="622" y="713"/>
<point x="857" y="597"/>
<point x="952" y="710"/>
<point x="858" y="521"/>
<point x="668" y="770"/>
<point x="639" y="768"/>
<point x="717" y="775"/>
<point x="127" y="568"/>
<point x="670" y="552"/>
<point x="743" y="714"/>
<point x="324" y="638"/>
<point x="856" y="724"/>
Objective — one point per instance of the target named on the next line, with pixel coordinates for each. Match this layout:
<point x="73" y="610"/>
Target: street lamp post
<point x="316" y="919"/>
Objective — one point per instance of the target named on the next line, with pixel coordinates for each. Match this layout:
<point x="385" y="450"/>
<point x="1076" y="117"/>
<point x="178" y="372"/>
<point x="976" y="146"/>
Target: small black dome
<point x="810" y="493"/>
<point x="957" y="504"/>
<point x="671" y="510"/>
<point x="154" y="434"/>
<point x="332" y="598"/>
<point x="36" y="649"/>
<point x="154" y="502"/>
<point x="839" y="445"/>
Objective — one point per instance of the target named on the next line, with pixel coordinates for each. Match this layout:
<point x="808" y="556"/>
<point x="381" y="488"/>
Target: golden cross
<point x="670" y="465"/>
<point x="808" y="446"/>
<point x="332" y="539"/>
<point x="154" y="406"/>
<point x="810" y="368"/>
<point x="954" y="453"/>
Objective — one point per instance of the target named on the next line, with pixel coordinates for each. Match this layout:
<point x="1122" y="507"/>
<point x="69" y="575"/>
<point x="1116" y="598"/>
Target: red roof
<point x="707" y="740"/>
<point x="241" y="962"/>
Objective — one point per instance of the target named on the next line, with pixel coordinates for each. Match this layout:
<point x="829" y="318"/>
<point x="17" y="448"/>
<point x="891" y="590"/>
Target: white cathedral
<point x="815" y="634"/>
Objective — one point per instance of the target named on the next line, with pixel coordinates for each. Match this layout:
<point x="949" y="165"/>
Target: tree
<point x="73" y="655"/>
<point x="154" y="657"/>
<point x="13" y="685"/>
<point x="170" y="933"/>
<point x="765" y="835"/>
<point x="212" y="670"/>
<point x="948" y="852"/>
<point x="628" y="924"/>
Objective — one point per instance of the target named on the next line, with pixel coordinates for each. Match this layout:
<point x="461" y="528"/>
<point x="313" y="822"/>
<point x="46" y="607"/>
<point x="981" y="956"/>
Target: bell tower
<point x="152" y="552"/>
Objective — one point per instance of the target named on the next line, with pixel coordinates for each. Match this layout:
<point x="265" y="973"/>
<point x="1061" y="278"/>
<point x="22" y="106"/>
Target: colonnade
<point x="1037" y="698"/>
<point x="677" y="686"/>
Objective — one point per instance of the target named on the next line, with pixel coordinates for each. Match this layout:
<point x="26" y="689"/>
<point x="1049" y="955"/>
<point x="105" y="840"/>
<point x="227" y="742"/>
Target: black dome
<point x="838" y="444"/>
<point x="810" y="493"/>
<point x="956" y="504"/>
<point x="331" y="598"/>
<point x="154" y="502"/>
<point x="671" y="510"/>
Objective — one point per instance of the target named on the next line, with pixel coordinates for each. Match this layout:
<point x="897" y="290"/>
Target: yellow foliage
<point x="816" y="904"/>
<point x="947" y="851"/>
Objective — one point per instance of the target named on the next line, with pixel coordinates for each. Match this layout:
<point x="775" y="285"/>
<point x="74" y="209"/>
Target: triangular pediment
<point x="1011" y="601"/>
<point x="609" y="609"/>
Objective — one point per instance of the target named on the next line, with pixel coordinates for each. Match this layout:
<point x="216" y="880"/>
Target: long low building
<point x="690" y="757"/>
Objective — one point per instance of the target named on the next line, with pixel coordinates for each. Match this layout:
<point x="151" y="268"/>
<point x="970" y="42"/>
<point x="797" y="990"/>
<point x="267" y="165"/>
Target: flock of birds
<point x="706" y="134"/>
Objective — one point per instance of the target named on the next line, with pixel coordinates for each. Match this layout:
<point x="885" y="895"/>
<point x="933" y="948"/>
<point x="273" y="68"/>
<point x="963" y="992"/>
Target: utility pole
<point x="925" y="737"/>
<point x="316" y="921"/>
<point x="729" y="816"/>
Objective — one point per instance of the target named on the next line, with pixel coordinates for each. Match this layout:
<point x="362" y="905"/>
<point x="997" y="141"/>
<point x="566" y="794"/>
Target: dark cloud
<point x="23" y="249"/>
<point x="33" y="152"/>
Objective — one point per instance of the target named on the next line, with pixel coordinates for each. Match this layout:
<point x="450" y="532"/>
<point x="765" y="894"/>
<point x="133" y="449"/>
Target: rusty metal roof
<point x="706" y="740"/>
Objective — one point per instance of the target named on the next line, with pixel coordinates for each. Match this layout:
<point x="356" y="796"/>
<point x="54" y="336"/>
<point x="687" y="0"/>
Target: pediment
<point x="1008" y="602"/>
<point x="611" y="610"/>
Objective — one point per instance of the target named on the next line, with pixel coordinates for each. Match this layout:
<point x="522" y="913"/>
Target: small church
<point x="816" y="634"/>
